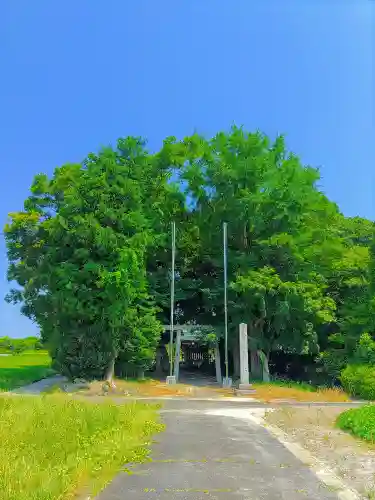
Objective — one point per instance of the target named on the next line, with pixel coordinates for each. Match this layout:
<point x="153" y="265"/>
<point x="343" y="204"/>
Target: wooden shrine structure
<point x="189" y="350"/>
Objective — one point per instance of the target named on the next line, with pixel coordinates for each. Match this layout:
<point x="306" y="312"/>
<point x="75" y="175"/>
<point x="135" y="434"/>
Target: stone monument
<point x="244" y="385"/>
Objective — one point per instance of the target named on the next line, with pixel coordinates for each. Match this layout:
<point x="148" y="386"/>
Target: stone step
<point x="245" y="392"/>
<point x="245" y="387"/>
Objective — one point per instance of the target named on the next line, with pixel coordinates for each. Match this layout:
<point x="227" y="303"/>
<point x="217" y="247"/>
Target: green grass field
<point x="23" y="369"/>
<point x="360" y="422"/>
<point x="53" y="447"/>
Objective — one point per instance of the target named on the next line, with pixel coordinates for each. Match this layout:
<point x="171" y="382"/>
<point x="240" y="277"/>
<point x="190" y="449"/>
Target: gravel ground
<point x="314" y="429"/>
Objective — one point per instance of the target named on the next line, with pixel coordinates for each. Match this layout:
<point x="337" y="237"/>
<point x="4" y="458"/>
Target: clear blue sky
<point x="76" y="75"/>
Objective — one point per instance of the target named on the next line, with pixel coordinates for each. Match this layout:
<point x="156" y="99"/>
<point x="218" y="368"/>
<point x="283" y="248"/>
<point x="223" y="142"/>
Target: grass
<point x="360" y="422"/>
<point x="287" y="390"/>
<point x="53" y="447"/>
<point x="23" y="369"/>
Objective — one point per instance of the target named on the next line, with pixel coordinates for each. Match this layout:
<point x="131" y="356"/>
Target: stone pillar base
<point x="245" y="390"/>
<point x="245" y="387"/>
<point x="171" y="379"/>
<point x="227" y="382"/>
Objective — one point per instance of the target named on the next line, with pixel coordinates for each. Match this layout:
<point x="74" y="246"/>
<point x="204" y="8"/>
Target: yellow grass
<point x="264" y="392"/>
<point x="146" y="388"/>
<point x="271" y="392"/>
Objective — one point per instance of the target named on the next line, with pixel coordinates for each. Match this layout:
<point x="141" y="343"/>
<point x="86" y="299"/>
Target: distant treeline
<point x="10" y="345"/>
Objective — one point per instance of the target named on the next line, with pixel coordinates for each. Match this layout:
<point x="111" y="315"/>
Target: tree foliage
<point x="16" y="346"/>
<point x="281" y="238"/>
<point x="91" y="252"/>
<point x="79" y="252"/>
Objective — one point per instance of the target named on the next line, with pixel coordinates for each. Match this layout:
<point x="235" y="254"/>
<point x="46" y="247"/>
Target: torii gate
<point x="186" y="332"/>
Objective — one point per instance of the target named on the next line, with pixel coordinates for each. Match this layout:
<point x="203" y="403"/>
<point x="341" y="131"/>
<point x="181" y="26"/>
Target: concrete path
<point x="181" y="402"/>
<point x="205" y="455"/>
<point x="40" y="386"/>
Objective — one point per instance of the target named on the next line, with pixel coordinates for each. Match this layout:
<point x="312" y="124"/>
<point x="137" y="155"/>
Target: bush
<point x="359" y="421"/>
<point x="80" y="357"/>
<point x="333" y="362"/>
<point x="359" y="380"/>
<point x="365" y="351"/>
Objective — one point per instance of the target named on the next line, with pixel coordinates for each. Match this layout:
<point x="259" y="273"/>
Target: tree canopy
<point x="91" y="252"/>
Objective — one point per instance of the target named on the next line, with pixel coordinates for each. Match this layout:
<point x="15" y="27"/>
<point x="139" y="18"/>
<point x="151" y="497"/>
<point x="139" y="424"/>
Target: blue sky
<point x="78" y="75"/>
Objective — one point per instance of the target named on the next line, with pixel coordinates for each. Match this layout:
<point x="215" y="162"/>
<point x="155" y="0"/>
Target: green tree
<point x="91" y="252"/>
<point x="349" y="285"/>
<point x="79" y="253"/>
<point x="281" y="237"/>
<point x="282" y="314"/>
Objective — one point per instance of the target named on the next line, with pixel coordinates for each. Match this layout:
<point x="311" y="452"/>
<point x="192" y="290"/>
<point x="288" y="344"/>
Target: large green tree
<point x="283" y="239"/>
<point x="79" y="253"/>
<point x="91" y="252"/>
<point x="349" y="285"/>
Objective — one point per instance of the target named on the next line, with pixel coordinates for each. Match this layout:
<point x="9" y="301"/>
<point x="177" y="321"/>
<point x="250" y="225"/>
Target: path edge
<point x="321" y="470"/>
<point x="324" y="473"/>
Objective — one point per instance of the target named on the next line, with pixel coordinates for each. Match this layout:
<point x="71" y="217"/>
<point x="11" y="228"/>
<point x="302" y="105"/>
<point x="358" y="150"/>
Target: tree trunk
<point x="218" y="364"/>
<point x="255" y="365"/>
<point x="160" y="353"/>
<point x="265" y="368"/>
<point x="110" y="373"/>
<point x="245" y="242"/>
<point x="236" y="359"/>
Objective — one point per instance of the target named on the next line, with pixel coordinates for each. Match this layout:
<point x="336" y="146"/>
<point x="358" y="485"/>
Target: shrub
<point x="359" y="421"/>
<point x="359" y="380"/>
<point x="365" y="351"/>
<point x="80" y="357"/>
<point x="333" y="362"/>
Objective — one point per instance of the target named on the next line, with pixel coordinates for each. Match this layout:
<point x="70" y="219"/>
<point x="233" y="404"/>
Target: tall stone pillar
<point x="244" y="358"/>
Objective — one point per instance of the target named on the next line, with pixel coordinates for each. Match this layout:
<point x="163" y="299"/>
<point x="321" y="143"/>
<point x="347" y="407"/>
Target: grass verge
<point x="360" y="422"/>
<point x="53" y="447"/>
<point x="22" y="369"/>
<point x="315" y="429"/>
<point x="298" y="392"/>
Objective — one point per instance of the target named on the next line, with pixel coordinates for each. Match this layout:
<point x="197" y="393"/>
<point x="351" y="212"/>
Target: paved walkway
<point x="204" y="455"/>
<point x="212" y="450"/>
<point x="40" y="386"/>
<point x="180" y="402"/>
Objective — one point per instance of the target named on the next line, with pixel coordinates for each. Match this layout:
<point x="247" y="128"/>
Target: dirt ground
<point x="262" y="392"/>
<point x="153" y="388"/>
<point x="314" y="428"/>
